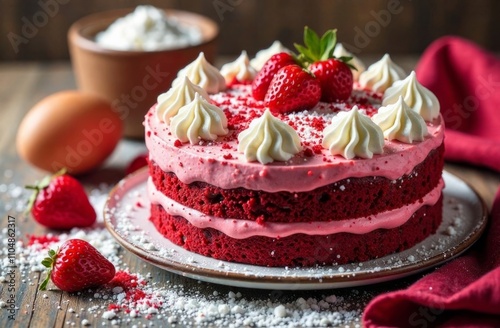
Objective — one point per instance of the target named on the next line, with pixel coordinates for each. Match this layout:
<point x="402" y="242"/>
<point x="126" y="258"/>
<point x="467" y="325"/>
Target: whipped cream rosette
<point x="399" y="122"/>
<point x="198" y="120"/>
<point x="418" y="97"/>
<point x="381" y="75"/>
<point x="203" y="74"/>
<point x="353" y="134"/>
<point x="239" y="70"/>
<point x="268" y="139"/>
<point x="176" y="97"/>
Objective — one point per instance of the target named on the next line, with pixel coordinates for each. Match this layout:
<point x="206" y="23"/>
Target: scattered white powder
<point x="150" y="247"/>
<point x="177" y="304"/>
<point x="280" y="311"/>
<point x="211" y="305"/>
<point x="331" y="299"/>
<point x="451" y="231"/>
<point x="109" y="314"/>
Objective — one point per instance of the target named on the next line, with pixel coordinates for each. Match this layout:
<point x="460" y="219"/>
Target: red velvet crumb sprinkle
<point x="43" y="240"/>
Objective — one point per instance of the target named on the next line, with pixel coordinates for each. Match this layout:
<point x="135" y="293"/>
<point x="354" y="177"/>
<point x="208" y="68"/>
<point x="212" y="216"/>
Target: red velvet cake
<point x="243" y="180"/>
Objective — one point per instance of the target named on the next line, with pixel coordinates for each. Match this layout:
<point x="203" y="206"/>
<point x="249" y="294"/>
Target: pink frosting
<point x="219" y="163"/>
<point x="240" y="229"/>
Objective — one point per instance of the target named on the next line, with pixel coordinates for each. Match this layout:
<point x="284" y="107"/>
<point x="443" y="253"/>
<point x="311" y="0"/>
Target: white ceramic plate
<point x="126" y="215"/>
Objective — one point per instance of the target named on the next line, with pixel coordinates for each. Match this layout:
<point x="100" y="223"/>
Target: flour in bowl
<point x="148" y="29"/>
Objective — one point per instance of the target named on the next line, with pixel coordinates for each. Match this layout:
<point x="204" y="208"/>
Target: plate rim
<point x="266" y="281"/>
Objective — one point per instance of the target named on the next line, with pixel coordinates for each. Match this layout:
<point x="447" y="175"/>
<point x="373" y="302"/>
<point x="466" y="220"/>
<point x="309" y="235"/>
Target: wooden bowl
<point x="132" y="80"/>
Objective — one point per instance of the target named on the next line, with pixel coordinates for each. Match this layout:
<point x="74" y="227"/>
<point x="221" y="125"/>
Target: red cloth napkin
<point x="466" y="291"/>
<point x="466" y="80"/>
<point x="463" y="293"/>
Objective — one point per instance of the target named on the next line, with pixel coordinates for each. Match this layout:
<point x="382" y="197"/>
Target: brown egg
<point x="69" y="129"/>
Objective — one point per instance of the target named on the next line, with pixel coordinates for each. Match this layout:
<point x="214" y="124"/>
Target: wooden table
<point x="21" y="86"/>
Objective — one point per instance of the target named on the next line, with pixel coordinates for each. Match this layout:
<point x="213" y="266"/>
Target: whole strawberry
<point x="263" y="78"/>
<point x="77" y="265"/>
<point x="60" y="202"/>
<point x="334" y="74"/>
<point x="335" y="78"/>
<point x="292" y="89"/>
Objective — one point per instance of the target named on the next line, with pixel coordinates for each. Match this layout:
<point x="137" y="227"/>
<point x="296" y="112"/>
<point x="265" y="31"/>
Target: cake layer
<point x="241" y="229"/>
<point x="298" y="249"/>
<point x="218" y="163"/>
<point x="348" y="198"/>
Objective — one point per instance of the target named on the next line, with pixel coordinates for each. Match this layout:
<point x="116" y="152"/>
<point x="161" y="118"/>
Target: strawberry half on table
<point x="60" y="202"/>
<point x="77" y="265"/>
<point x="333" y="74"/>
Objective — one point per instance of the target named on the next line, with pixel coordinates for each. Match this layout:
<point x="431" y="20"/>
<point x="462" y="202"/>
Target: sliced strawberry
<point x="60" y="202"/>
<point x="333" y="73"/>
<point x="292" y="89"/>
<point x="335" y="78"/>
<point x="263" y="78"/>
<point x="77" y="265"/>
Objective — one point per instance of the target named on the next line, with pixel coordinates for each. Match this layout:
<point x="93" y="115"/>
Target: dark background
<point x="369" y="27"/>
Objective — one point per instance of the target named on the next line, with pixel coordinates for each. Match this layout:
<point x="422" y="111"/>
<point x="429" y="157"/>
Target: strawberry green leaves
<point x="316" y="48"/>
<point x="48" y="262"/>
